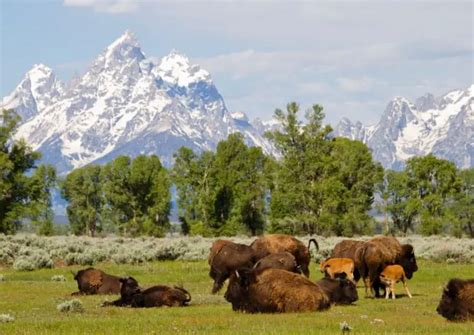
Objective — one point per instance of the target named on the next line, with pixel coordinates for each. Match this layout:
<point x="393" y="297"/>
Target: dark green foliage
<point x="221" y="193"/>
<point x="24" y="187"/>
<point x="321" y="185"/>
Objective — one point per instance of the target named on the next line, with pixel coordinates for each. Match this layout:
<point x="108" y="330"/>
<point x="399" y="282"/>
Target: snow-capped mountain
<point x="443" y="126"/>
<point x="124" y="104"/>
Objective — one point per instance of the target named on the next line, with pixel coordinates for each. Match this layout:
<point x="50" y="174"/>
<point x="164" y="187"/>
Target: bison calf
<point x="156" y="296"/>
<point x="391" y="275"/>
<point x="339" y="291"/>
<point x="457" y="301"/>
<point x="338" y="267"/>
<point x="94" y="281"/>
<point x="281" y="260"/>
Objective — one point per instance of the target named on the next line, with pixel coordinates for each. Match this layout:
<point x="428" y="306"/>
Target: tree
<point x="138" y="195"/>
<point x="321" y="184"/>
<point x="82" y="188"/>
<point x="42" y="182"/>
<point x="462" y="206"/>
<point x="22" y="190"/>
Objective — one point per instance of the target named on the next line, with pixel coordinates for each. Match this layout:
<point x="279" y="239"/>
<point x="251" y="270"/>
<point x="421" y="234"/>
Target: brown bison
<point x="274" y="291"/>
<point x="94" y="281"/>
<point x="457" y="301"/>
<point x="339" y="291"/>
<point x="348" y="249"/>
<point x="228" y="258"/>
<point x="216" y="247"/>
<point x="275" y="243"/>
<point x="338" y="267"/>
<point x="281" y="260"/>
<point x="156" y="296"/>
<point x="380" y="251"/>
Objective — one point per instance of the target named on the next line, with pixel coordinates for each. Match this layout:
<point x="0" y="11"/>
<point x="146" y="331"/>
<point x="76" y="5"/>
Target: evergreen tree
<point x="24" y="189"/>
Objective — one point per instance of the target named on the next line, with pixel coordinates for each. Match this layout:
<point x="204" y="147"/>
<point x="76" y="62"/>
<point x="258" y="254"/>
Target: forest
<point x="317" y="184"/>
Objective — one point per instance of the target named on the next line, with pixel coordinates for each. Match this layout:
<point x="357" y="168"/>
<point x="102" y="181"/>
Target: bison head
<point x="408" y="260"/>
<point x="340" y="291"/>
<point x="129" y="287"/>
<point x="448" y="305"/>
<point x="237" y="291"/>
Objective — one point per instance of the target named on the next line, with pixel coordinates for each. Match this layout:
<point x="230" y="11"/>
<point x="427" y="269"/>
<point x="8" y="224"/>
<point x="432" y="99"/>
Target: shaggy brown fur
<point x="457" y="301"/>
<point x="216" y="247"/>
<point x="378" y="252"/>
<point x="348" y="249"/>
<point x="274" y="243"/>
<point x="281" y="260"/>
<point x="339" y="291"/>
<point x="156" y="296"/>
<point x="274" y="291"/>
<point x="230" y="258"/>
<point x="336" y="267"/>
<point x="94" y="281"/>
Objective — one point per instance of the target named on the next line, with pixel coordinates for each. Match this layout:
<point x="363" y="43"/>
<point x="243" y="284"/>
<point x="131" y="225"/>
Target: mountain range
<point x="126" y="103"/>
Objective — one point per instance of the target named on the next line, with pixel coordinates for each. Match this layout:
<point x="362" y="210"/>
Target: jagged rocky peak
<point x="426" y="102"/>
<point x="177" y="69"/>
<point x="126" y="46"/>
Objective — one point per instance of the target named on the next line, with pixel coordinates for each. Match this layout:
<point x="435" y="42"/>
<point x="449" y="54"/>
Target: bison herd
<point x="271" y="275"/>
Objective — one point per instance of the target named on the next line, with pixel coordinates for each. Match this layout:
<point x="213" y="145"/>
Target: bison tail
<point x="315" y="243"/>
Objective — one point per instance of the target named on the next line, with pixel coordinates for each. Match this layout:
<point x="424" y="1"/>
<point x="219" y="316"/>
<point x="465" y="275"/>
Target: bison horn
<point x="237" y="274"/>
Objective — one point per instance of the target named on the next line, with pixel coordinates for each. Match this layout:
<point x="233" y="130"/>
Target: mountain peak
<point x="177" y="69"/>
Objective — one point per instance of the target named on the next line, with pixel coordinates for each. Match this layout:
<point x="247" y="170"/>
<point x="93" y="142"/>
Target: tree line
<point x="318" y="184"/>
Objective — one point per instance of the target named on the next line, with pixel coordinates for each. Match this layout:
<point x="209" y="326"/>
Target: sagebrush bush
<point x="29" y="252"/>
<point x="71" y="306"/>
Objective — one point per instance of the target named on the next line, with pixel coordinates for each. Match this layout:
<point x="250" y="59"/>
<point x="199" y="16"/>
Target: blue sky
<point x="352" y="57"/>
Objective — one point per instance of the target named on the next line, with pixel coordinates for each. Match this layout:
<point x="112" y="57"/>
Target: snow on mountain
<point x="124" y="104"/>
<point x="443" y="126"/>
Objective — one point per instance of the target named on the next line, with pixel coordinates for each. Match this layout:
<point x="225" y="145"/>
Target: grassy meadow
<point x="31" y="298"/>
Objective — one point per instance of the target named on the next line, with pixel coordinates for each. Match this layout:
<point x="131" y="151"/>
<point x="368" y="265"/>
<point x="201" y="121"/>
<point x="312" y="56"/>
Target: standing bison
<point x="156" y="296"/>
<point x="228" y="258"/>
<point x="281" y="260"/>
<point x="275" y="243"/>
<point x="348" y="249"/>
<point x="278" y="291"/>
<point x="457" y="301"/>
<point x="94" y="281"/>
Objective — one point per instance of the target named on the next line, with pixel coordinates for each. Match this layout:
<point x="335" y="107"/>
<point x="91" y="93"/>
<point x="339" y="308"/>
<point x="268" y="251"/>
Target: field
<point x="31" y="298"/>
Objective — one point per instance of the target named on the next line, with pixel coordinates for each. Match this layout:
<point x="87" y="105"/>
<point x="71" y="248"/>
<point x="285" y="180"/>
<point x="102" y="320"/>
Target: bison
<point x="457" y="301"/>
<point x="380" y="251"/>
<point x="275" y="243"/>
<point x="132" y="295"/>
<point x="94" y="281"/>
<point x="339" y="291"/>
<point x="216" y="247"/>
<point x="281" y="260"/>
<point x="227" y="259"/>
<point x="348" y="249"/>
<point x="337" y="267"/>
<point x="391" y="275"/>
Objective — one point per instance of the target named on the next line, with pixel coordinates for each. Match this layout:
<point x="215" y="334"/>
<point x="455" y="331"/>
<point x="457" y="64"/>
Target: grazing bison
<point x="94" y="281"/>
<point x="380" y="251"/>
<point x="229" y="258"/>
<point x="391" y="275"/>
<point x="281" y="260"/>
<point x="339" y="291"/>
<point x="216" y="247"/>
<point x="272" y="244"/>
<point x="348" y="249"/>
<point x="156" y="296"/>
<point x="338" y="267"/>
<point x="457" y="301"/>
<point x="274" y="291"/>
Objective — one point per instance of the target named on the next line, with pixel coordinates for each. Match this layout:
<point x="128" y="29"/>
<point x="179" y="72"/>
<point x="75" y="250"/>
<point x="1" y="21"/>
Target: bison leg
<point x="305" y="270"/>
<point x="219" y="282"/>
<point x="406" y="288"/>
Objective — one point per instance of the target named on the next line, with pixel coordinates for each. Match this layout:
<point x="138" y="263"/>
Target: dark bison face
<point x="347" y="292"/>
<point x="448" y="305"/>
<point x="129" y="287"/>
<point x="237" y="291"/>
<point x="408" y="260"/>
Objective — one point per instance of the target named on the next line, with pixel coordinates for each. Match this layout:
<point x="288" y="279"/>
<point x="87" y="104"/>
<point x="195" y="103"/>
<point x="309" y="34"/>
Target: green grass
<point x="31" y="297"/>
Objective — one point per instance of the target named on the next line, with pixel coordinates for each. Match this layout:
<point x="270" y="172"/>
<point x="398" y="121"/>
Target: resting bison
<point x="339" y="291"/>
<point x="272" y="244"/>
<point x="380" y="251"/>
<point x="156" y="296"/>
<point x="281" y="260"/>
<point x="348" y="249"/>
<point x="94" y="281"/>
<point x="457" y="301"/>
<point x="229" y="258"/>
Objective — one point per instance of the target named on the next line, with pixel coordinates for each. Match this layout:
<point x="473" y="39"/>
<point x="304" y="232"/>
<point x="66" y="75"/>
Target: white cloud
<point x="106" y="6"/>
<point x="355" y="85"/>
